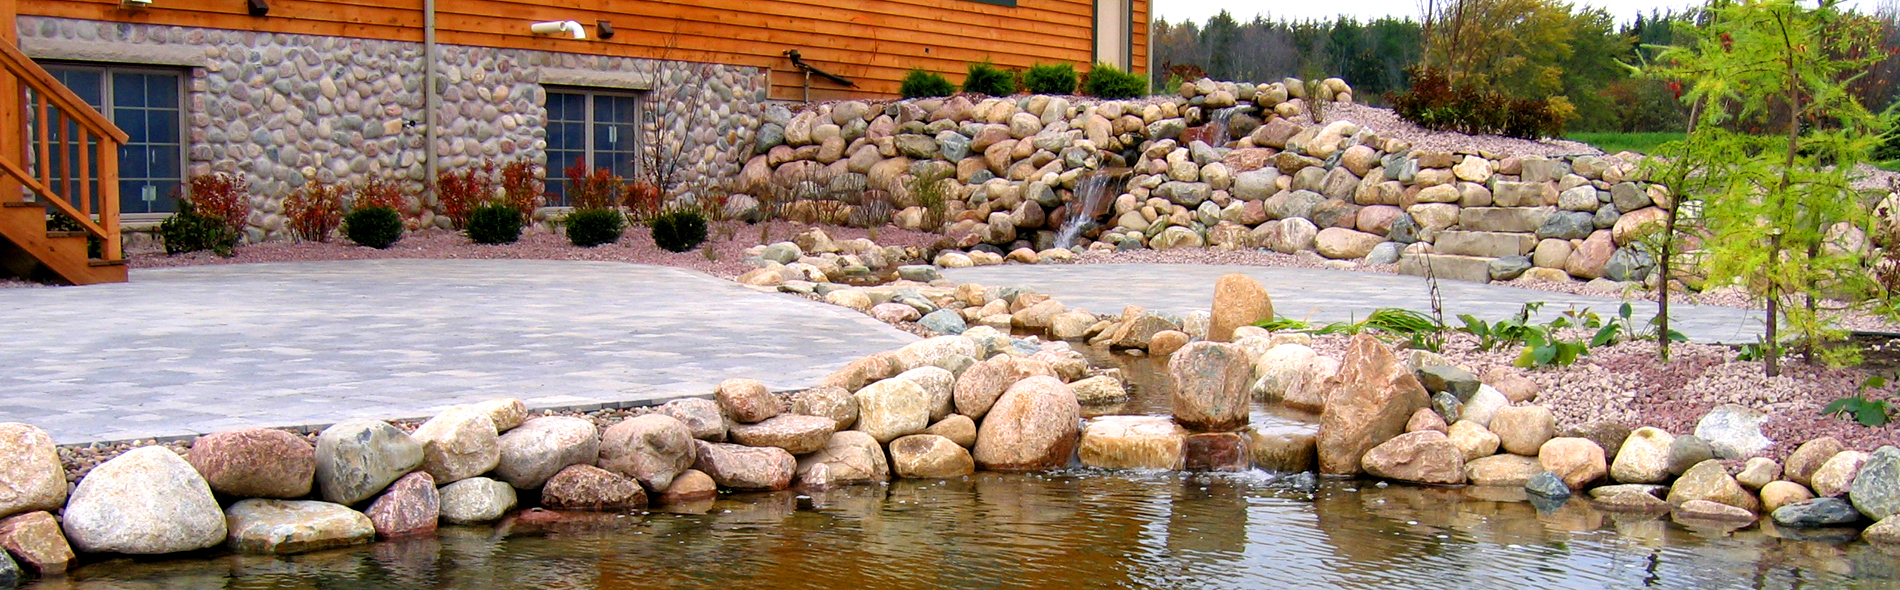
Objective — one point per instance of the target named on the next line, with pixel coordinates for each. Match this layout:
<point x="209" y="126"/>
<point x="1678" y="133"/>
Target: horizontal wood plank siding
<point x="873" y="42"/>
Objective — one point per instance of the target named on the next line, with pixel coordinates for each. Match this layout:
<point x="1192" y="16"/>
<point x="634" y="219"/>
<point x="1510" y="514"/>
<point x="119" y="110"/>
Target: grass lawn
<point x="1611" y="143"/>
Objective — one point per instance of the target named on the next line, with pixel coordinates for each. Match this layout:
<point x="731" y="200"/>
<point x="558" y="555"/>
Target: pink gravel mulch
<point x="722" y="255"/>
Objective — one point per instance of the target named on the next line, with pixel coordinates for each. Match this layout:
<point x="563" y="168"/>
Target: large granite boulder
<point x="1374" y="395"/>
<point x="586" y="487"/>
<point x="1733" y="432"/>
<point x="892" y="408"/>
<point x="146" y="501"/>
<point x="847" y="458"/>
<point x="746" y="400"/>
<point x="1524" y="429"/>
<point x="36" y="540"/>
<point x="652" y="449"/>
<point x="30" y="474"/>
<point x="828" y="401"/>
<point x="1426" y="456"/>
<point x="795" y="433"/>
<point x="928" y="456"/>
<point x="1576" y="461"/>
<point x="939" y="383"/>
<point x="1809" y="456"/>
<point x="255" y="463"/>
<point x="476" y="500"/>
<point x="1644" y="457"/>
<point x="1836" y="476"/>
<point x="542" y="447"/>
<point x="1034" y="426"/>
<point x="745" y="468"/>
<point x="1238" y="301"/>
<point x="1710" y="481"/>
<point x="459" y="443"/>
<point x="1876" y="489"/>
<point x="1133" y="442"/>
<point x="283" y="527"/>
<point x="702" y="417"/>
<point x="1211" y="385"/>
<point x="506" y="413"/>
<point x="980" y="385"/>
<point x="411" y="506"/>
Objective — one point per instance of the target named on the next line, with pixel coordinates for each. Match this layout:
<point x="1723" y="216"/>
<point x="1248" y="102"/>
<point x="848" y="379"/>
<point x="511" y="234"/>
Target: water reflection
<point x="1082" y="528"/>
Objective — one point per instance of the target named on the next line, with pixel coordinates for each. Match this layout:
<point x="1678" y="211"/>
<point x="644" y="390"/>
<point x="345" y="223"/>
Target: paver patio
<point x="1321" y="295"/>
<point x="194" y="350"/>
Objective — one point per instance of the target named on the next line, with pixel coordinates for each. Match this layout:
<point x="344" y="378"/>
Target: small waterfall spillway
<point x="1092" y="203"/>
<point x="1215" y="132"/>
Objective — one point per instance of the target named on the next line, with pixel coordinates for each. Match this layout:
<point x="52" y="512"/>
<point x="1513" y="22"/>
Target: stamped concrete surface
<point x="200" y="349"/>
<point x="1324" y="296"/>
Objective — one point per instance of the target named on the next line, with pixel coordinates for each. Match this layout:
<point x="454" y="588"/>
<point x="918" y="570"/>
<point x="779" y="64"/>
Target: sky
<point x="1244" y="10"/>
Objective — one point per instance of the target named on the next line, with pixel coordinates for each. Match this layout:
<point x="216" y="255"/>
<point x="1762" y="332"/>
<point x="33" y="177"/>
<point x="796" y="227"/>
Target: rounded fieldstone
<point x="928" y="456"/>
<point x="459" y="443"/>
<point x="282" y="527"/>
<point x="745" y="468"/>
<point x="255" y="463"/>
<point x="702" y="417"/>
<point x="652" y="449"/>
<point x="146" y="501"/>
<point x="30" y="474"/>
<point x="586" y="487"/>
<point x="542" y="447"/>
<point x="797" y="434"/>
<point x="476" y="500"/>
<point x="746" y="400"/>
<point x="411" y="506"/>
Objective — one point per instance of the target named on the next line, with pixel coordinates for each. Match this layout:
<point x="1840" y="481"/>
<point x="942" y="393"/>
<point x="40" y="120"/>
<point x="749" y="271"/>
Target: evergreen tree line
<point x="1525" y="48"/>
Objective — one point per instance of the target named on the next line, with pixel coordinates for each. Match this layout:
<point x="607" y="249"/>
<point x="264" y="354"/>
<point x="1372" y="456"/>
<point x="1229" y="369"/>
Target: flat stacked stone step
<point x="1503" y="219"/>
<point x="1476" y="269"/>
<point x="1489" y="244"/>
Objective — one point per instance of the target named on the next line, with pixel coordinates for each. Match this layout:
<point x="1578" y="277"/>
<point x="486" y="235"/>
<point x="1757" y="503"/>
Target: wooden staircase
<point x="58" y="157"/>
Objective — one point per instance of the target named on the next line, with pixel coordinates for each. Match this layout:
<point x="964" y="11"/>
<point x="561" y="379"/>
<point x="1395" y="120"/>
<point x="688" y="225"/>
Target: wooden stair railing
<point x="65" y="154"/>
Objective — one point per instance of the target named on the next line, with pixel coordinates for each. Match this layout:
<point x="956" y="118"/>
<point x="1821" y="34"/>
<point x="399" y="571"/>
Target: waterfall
<point x="1092" y="203"/>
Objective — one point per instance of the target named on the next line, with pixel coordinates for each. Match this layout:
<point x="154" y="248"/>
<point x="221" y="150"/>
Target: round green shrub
<point x="190" y="231"/>
<point x="679" y="230"/>
<point x="376" y="227"/>
<point x="921" y="84"/>
<point x="494" y="223"/>
<point x="1106" y="81"/>
<point x="1050" y="79"/>
<point x="987" y="79"/>
<point x="592" y="227"/>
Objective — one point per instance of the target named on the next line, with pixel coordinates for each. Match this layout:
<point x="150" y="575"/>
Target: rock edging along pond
<point x="943" y="407"/>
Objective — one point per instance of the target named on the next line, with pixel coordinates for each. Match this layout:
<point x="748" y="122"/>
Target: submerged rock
<point x="283" y="527"/>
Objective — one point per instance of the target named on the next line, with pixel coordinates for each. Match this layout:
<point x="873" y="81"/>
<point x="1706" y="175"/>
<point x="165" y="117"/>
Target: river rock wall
<point x="1221" y="165"/>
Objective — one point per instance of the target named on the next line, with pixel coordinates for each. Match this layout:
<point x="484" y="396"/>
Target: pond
<point x="1073" y="528"/>
<point x="1069" y="529"/>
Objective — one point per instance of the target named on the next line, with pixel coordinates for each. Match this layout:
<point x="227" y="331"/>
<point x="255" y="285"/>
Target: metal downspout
<point x="431" y="101"/>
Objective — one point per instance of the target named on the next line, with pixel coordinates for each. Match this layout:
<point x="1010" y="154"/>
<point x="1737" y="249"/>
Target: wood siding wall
<point x="873" y="42"/>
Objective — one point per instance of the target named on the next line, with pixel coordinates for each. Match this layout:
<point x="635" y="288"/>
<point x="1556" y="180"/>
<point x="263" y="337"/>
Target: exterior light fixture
<point x="259" y="7"/>
<point x="558" y="27"/>
<point x="604" y="29"/>
<point x="135" y="5"/>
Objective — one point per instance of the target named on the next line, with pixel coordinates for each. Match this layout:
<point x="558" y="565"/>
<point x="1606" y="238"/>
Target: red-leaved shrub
<point x="221" y="196"/>
<point x="521" y="186"/>
<point x="460" y="192"/>
<point x="1435" y="102"/>
<point x="377" y="192"/>
<point x="599" y="188"/>
<point x="315" y="210"/>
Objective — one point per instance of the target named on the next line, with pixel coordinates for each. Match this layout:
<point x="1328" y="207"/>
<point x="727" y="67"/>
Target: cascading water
<point x="1217" y="134"/>
<point x="1091" y="204"/>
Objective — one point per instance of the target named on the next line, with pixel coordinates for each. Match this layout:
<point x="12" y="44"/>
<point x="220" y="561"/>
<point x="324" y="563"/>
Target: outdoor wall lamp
<point x="559" y="27"/>
<point x="604" y="30"/>
<point x="259" y="7"/>
<point x="135" y="5"/>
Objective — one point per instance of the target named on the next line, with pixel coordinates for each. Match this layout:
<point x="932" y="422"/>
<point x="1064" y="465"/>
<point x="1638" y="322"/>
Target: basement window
<point x="146" y="104"/>
<point x="598" y="128"/>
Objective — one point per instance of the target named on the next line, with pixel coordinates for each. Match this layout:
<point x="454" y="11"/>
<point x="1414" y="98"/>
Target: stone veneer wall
<point x="283" y="109"/>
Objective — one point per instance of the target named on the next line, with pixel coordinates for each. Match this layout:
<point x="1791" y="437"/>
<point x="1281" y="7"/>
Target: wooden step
<point x="95" y="262"/>
<point x="23" y="204"/>
<point x="65" y="234"/>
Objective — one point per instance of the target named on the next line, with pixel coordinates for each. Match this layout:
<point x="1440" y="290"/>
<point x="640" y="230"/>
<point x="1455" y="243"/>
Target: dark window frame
<point x="108" y="106"/>
<point x="556" y="167"/>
